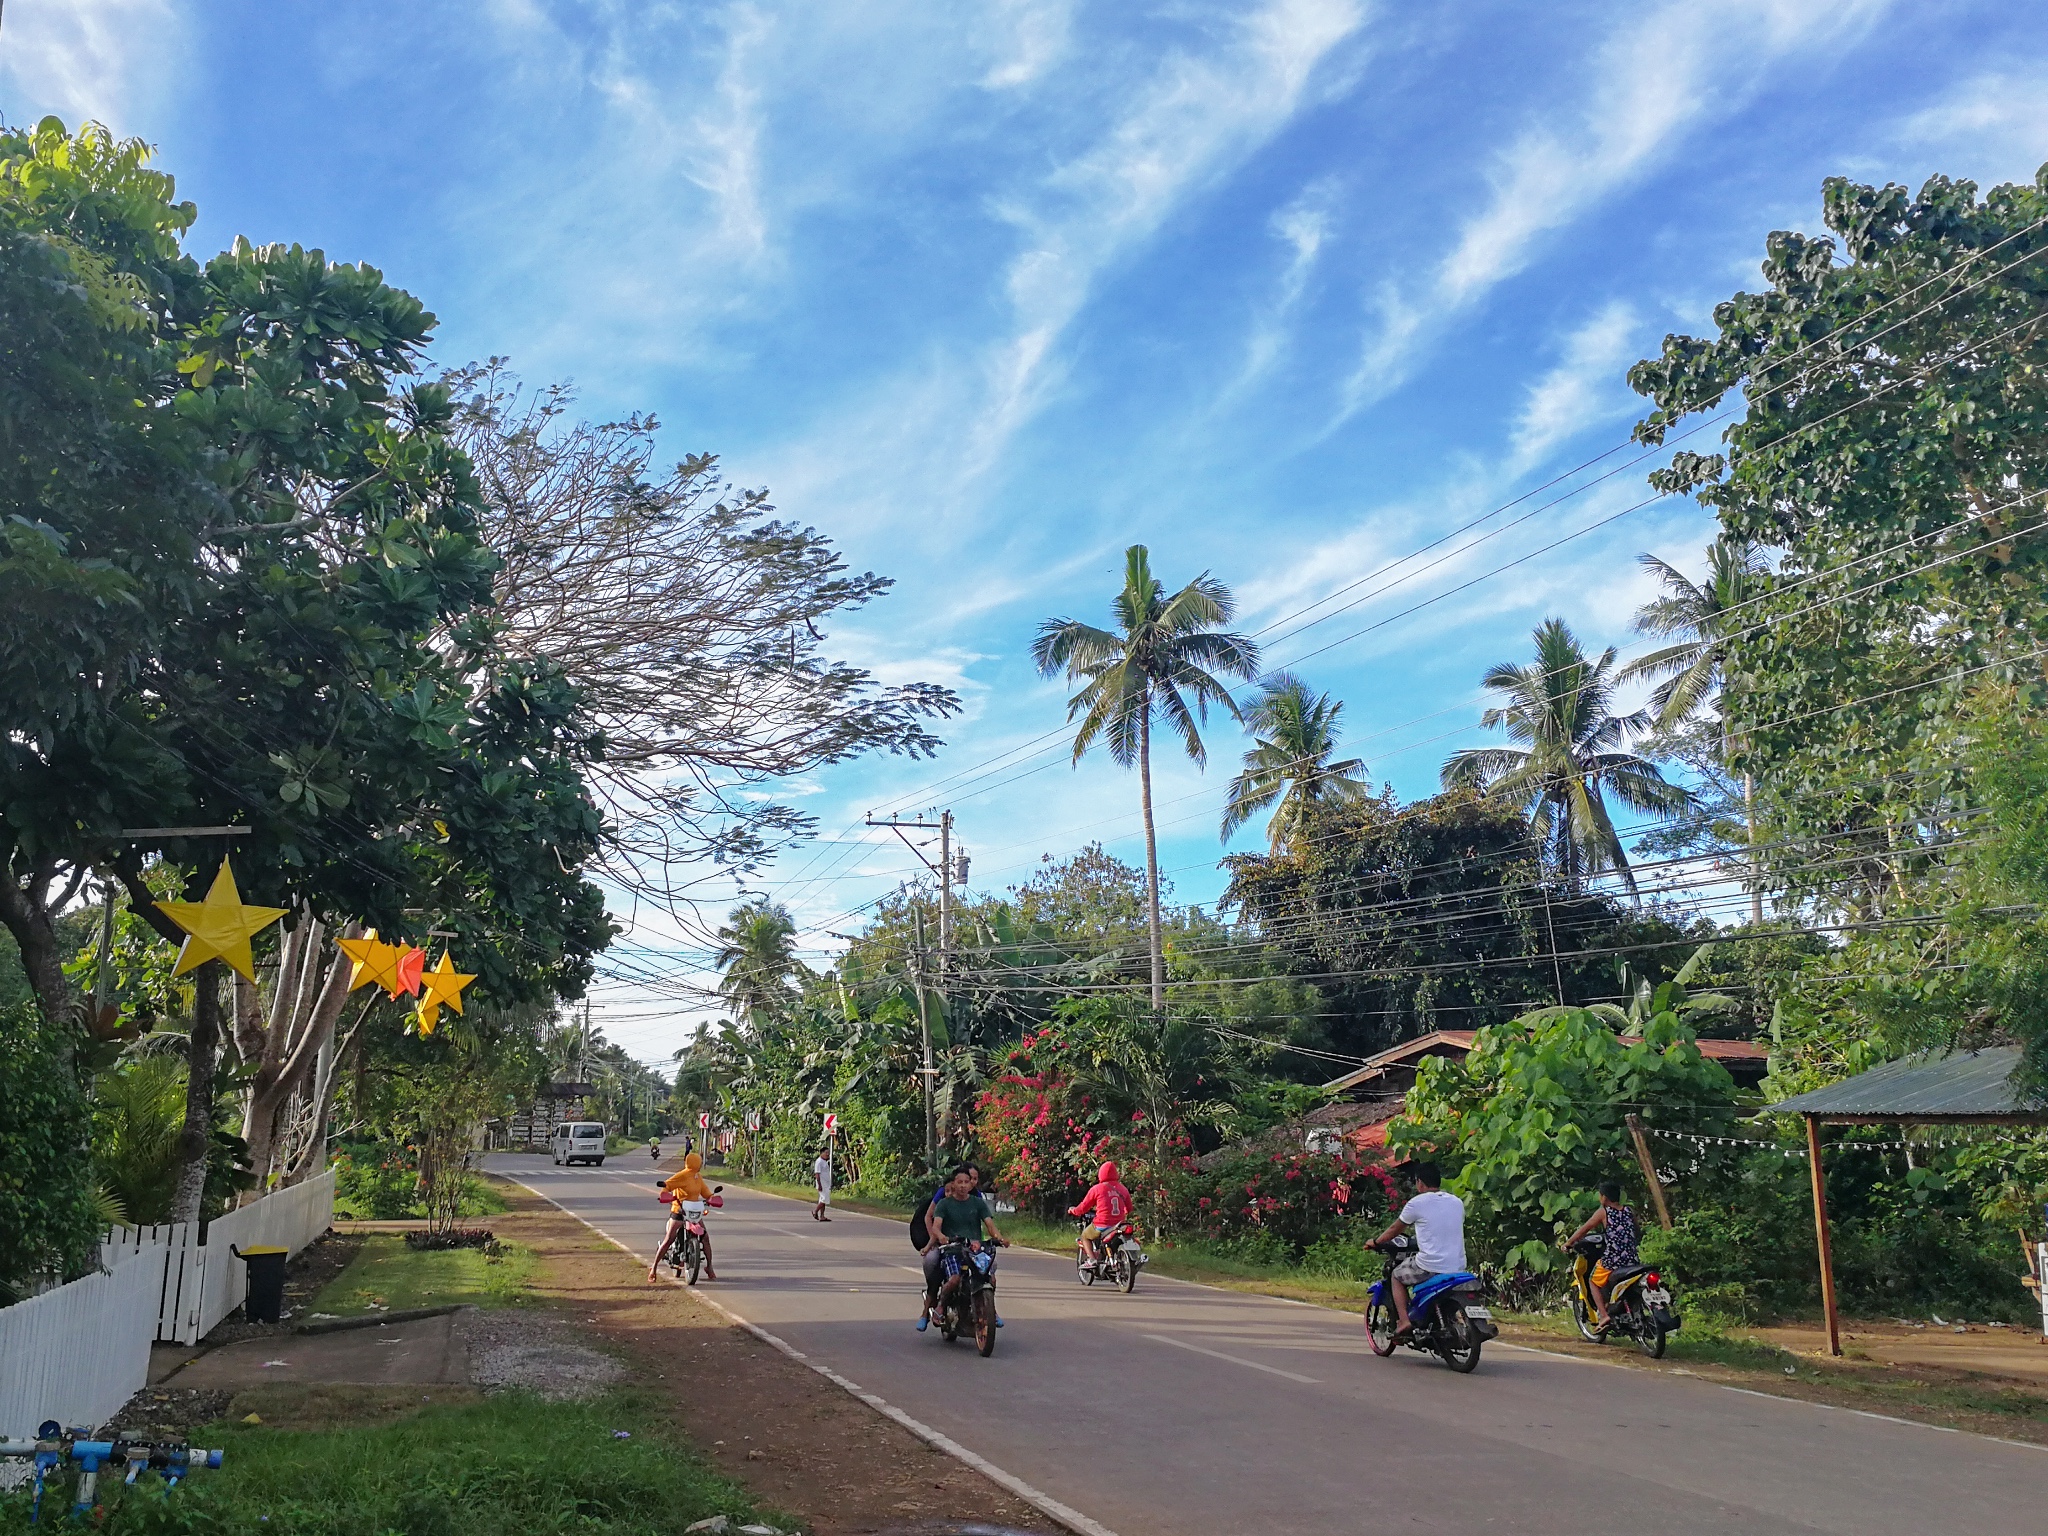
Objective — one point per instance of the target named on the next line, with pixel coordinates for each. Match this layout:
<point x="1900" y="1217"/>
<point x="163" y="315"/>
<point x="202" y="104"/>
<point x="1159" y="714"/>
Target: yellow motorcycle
<point x="1638" y="1301"/>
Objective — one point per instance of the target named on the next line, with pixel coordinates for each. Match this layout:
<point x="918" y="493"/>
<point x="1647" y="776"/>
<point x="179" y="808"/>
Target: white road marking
<point x="1217" y="1354"/>
<point x="1071" y="1518"/>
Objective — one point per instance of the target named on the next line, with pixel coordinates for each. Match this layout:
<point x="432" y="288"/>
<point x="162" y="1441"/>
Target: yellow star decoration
<point x="443" y="984"/>
<point x="375" y="961"/>
<point x="220" y="927"/>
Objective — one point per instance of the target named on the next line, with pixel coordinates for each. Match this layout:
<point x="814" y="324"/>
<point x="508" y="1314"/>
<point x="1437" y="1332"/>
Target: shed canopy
<point x="1934" y="1088"/>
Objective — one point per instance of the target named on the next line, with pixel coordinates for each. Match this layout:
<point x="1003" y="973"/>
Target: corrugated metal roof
<point x="1946" y="1083"/>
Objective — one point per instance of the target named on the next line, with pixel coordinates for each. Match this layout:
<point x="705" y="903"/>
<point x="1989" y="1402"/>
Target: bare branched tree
<point x="691" y="618"/>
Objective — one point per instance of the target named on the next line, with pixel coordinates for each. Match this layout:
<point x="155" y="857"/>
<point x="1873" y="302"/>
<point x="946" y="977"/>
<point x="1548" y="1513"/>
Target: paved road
<point x="1196" y="1412"/>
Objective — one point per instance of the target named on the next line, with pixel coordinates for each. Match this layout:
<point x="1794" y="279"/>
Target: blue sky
<point x="989" y="291"/>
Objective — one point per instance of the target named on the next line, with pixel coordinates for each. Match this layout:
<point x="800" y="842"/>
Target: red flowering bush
<point x="1044" y="1137"/>
<point x="1296" y="1199"/>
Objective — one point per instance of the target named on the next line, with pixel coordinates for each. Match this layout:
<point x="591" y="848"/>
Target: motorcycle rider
<point x="1438" y="1222"/>
<point x="1105" y="1205"/>
<point x="957" y="1215"/>
<point x="685" y="1184"/>
<point x="1624" y="1235"/>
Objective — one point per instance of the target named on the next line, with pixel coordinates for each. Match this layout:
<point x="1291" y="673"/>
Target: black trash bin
<point x="265" y="1300"/>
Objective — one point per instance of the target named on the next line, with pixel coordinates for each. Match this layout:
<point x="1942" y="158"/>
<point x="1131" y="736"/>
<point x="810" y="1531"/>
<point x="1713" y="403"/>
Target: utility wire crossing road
<point x="1184" y="1411"/>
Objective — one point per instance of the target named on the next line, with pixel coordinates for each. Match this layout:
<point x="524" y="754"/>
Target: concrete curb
<point x="379" y="1319"/>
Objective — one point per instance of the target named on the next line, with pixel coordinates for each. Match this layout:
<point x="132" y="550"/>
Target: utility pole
<point x="946" y="871"/>
<point x="927" y="1072"/>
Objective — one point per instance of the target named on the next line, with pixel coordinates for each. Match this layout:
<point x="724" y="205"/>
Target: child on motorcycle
<point x="1624" y="1235"/>
<point x="1105" y="1205"/>
<point x="687" y="1184"/>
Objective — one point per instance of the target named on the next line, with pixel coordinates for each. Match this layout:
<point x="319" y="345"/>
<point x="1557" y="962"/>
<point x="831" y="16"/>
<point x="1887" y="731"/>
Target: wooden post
<point x="1820" y="1232"/>
<point x="1635" y="1131"/>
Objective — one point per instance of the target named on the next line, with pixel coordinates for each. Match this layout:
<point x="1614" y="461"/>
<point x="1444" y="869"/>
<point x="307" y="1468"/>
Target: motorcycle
<point x="1638" y="1300"/>
<point x="1447" y="1319"/>
<point x="967" y="1300"/>
<point x="685" y="1251"/>
<point x="1122" y="1258"/>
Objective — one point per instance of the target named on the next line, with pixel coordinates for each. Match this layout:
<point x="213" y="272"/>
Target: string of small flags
<point x="1830" y="1146"/>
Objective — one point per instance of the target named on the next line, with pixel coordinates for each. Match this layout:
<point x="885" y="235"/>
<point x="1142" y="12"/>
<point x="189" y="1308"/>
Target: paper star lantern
<point x="411" y="965"/>
<point x="444" y="986"/>
<point x="220" y="927"/>
<point x="375" y="961"/>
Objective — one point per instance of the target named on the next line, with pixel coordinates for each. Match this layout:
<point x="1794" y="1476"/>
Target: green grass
<point x="510" y="1465"/>
<point x="481" y="1198"/>
<point x="387" y="1275"/>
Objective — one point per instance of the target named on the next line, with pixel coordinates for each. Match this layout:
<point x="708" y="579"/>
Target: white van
<point x="578" y="1141"/>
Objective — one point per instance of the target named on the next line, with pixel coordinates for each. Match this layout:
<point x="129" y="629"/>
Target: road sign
<point x="703" y="1119"/>
<point x="753" y="1120"/>
<point x="831" y="1125"/>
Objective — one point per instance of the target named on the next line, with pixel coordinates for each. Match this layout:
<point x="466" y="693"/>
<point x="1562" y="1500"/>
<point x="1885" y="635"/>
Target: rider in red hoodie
<point x="1105" y="1205"/>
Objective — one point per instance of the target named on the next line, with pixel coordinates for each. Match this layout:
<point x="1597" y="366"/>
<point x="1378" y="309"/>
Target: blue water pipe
<point x="171" y="1460"/>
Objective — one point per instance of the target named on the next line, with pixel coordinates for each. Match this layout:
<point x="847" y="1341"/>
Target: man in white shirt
<point x="821" y="1176"/>
<point x="1438" y="1222"/>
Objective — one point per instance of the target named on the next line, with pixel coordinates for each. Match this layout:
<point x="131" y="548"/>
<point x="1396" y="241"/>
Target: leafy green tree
<point x="757" y="952"/>
<point x="1435" y="915"/>
<point x="1533" y="1119"/>
<point x="1893" y="377"/>
<point x="47" y="1191"/>
<point x="1162" y="651"/>
<point x="1290" y="770"/>
<point x="1574" y="755"/>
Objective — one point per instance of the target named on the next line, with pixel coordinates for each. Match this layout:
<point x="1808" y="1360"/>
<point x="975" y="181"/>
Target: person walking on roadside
<point x="821" y="1178"/>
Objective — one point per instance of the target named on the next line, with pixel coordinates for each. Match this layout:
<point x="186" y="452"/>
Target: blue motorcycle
<point x="1448" y="1320"/>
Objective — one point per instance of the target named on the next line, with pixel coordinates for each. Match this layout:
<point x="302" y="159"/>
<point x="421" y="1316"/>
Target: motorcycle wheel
<point x="1584" y="1318"/>
<point x="1649" y="1333"/>
<point x="1379" y="1327"/>
<point x="1460" y="1344"/>
<point x="1082" y="1268"/>
<point x="1126" y="1272"/>
<point x="693" y="1257"/>
<point x="985" y="1322"/>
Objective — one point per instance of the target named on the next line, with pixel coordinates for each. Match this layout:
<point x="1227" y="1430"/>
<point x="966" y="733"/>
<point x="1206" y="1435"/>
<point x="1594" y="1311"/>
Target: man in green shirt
<point x="958" y="1215"/>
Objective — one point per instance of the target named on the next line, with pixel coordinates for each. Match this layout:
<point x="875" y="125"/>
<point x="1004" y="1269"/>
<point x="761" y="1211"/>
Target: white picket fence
<point x="201" y="1283"/>
<point x="77" y="1353"/>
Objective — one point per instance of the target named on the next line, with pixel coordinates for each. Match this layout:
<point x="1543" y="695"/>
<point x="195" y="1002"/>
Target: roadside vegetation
<point x="511" y="1462"/>
<point x="389" y="1275"/>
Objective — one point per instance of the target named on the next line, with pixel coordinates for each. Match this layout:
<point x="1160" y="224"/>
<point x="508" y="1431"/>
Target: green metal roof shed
<point x="1932" y="1088"/>
<point x="1944" y="1088"/>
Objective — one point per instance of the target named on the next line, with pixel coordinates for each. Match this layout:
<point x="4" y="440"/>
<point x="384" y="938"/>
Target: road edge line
<point x="1044" y="1503"/>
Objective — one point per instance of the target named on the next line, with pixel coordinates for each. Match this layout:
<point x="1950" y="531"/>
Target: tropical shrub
<point x="48" y="1208"/>
<point x="1529" y="1123"/>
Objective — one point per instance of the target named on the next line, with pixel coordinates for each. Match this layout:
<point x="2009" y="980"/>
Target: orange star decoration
<point x="220" y="927"/>
<point x="444" y="984"/>
<point x="411" y="966"/>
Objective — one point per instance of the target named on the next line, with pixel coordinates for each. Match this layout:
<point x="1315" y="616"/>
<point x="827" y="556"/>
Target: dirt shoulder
<point x="794" y="1440"/>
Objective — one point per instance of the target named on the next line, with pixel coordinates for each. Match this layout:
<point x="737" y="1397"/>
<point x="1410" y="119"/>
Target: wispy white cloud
<point x="1991" y="127"/>
<point x="1657" y="78"/>
<point x="103" y="59"/>
<point x="1581" y="391"/>
<point x="1303" y="228"/>
<point x="1028" y="37"/>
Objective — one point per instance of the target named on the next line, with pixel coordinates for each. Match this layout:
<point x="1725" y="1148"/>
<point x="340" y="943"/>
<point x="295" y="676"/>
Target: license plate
<point x="1479" y="1312"/>
<point x="1660" y="1297"/>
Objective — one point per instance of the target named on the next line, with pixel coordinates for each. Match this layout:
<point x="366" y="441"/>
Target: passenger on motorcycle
<point x="957" y="1215"/>
<point x="687" y="1184"/>
<point x="1105" y="1205"/>
<point x="1624" y="1235"/>
<point x="1438" y="1222"/>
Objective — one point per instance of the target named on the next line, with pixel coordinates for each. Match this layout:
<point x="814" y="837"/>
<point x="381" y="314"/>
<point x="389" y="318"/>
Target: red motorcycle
<point x="688" y="1248"/>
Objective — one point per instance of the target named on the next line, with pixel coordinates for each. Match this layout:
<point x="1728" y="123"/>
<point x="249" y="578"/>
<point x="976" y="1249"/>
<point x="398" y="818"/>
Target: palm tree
<point x="1700" y="617"/>
<point x="1574" y="755"/>
<point x="1296" y="733"/>
<point x="757" y="952"/>
<point x="1162" y="650"/>
<point x="1696" y="614"/>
